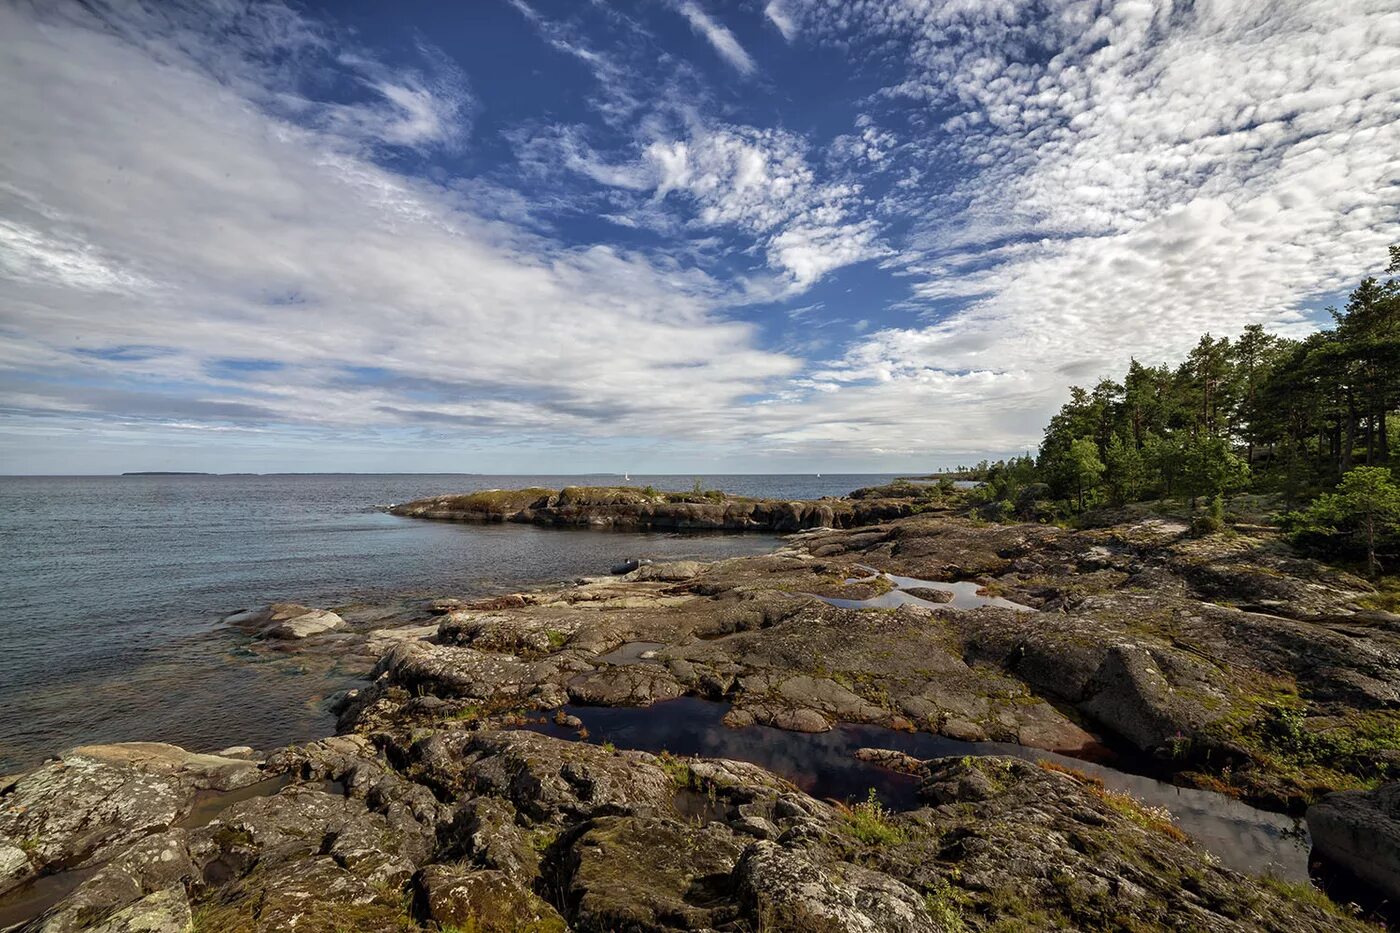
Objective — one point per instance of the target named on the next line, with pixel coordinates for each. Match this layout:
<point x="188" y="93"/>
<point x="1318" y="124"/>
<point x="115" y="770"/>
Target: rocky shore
<point x="630" y="507"/>
<point x="1222" y="662"/>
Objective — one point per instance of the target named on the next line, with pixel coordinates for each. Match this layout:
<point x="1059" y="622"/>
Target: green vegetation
<point x="1305" y="893"/>
<point x="499" y="500"/>
<point x="677" y="770"/>
<point x="1364" y="510"/>
<point x="1154" y="819"/>
<point x="943" y="904"/>
<point x="1263" y="413"/>
<point x="871" y="823"/>
<point x="469" y="713"/>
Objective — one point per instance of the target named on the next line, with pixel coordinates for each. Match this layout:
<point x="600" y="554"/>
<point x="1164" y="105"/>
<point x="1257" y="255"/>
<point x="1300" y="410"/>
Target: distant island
<point x="165" y="473"/>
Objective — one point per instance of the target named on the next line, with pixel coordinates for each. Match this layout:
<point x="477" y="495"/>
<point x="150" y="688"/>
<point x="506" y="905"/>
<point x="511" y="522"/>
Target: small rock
<point x="929" y="595"/>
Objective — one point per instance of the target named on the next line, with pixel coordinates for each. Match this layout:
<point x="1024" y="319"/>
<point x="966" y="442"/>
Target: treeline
<point x="1258" y="412"/>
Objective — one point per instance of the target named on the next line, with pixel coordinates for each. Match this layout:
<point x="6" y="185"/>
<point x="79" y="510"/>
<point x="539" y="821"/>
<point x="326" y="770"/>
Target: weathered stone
<point x="647" y="873"/>
<point x="1360" y="831"/>
<point x="165" y="911"/>
<point x="634" y="685"/>
<point x="795" y="890"/>
<point x="290" y="621"/>
<point x="98" y="798"/>
<point x="486" y="901"/>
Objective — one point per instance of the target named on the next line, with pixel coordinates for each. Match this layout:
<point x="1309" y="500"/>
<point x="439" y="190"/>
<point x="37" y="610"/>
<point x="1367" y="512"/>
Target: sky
<point x="560" y="236"/>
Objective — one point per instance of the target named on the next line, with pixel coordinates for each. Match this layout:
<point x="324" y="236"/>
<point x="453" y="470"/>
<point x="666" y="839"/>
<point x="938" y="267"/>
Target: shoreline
<point x="470" y="674"/>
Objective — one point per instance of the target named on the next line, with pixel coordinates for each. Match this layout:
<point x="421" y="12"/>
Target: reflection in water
<point x="824" y="765"/>
<point x="966" y="595"/>
<point x="633" y="652"/>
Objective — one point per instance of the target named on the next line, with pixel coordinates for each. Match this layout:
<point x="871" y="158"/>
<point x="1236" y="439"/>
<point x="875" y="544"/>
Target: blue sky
<point x="656" y="236"/>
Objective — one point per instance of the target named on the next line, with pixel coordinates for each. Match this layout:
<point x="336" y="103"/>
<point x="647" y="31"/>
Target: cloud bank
<point x="239" y="221"/>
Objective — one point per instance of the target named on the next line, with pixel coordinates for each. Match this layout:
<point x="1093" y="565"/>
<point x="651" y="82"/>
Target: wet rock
<point x="291" y="621"/>
<point x="1360" y="831"/>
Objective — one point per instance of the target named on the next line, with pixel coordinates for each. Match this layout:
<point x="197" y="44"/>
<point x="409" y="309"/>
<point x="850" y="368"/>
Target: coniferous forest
<point x="1310" y="422"/>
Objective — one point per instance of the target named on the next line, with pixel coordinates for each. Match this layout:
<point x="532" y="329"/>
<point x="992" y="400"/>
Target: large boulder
<point x="1360" y="831"/>
<point x="96" y="799"/>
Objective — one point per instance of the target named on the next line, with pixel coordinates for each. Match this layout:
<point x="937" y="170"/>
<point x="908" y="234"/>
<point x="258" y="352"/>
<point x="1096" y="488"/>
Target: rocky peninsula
<point x="630" y="507"/>
<point x="463" y="790"/>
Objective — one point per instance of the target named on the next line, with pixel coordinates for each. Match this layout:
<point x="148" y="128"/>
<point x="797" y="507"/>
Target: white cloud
<point x="760" y="181"/>
<point x="778" y="15"/>
<point x="216" y="227"/>
<point x="718" y="36"/>
<point x="1135" y="173"/>
<point x="1061" y="184"/>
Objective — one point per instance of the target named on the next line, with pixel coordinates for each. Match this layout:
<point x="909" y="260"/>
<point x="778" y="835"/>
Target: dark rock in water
<point x="1360" y="831"/>
<point x="929" y="594"/>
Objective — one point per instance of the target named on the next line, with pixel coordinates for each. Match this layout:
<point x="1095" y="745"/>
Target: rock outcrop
<point x="1360" y="831"/>
<point x="442" y="802"/>
<point x="629" y="507"/>
<point x="476" y="827"/>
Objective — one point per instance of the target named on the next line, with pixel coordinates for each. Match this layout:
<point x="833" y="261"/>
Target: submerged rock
<point x="290" y="621"/>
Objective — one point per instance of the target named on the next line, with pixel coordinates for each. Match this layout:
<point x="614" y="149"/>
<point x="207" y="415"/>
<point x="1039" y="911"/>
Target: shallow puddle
<point x="824" y="765"/>
<point x="31" y="900"/>
<point x="210" y="803"/>
<point x="634" y="652"/>
<point x="965" y="595"/>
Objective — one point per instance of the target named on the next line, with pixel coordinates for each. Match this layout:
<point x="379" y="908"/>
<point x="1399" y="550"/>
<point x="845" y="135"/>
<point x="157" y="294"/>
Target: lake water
<point x="111" y="589"/>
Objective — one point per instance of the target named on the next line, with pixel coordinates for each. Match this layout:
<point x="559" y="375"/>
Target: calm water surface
<point x="824" y="764"/>
<point x="111" y="589"/>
